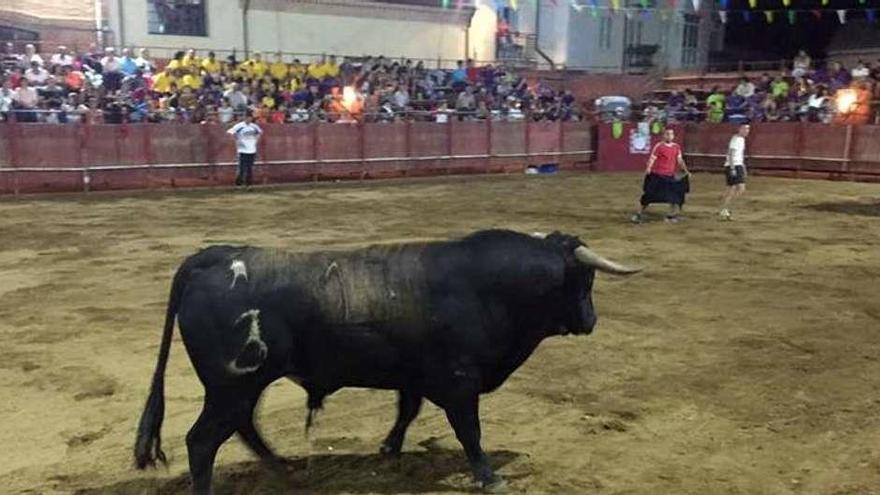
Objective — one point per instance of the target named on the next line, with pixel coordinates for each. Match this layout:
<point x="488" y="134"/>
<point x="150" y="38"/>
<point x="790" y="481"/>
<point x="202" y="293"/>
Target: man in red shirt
<point x="666" y="178"/>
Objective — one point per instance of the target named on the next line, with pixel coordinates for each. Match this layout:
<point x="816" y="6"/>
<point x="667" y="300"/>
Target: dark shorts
<point x="664" y="189"/>
<point x="735" y="175"/>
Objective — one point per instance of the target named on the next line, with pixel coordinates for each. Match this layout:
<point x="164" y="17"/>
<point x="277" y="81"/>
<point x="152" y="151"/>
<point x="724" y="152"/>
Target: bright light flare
<point x="846" y="100"/>
<point x="349" y="96"/>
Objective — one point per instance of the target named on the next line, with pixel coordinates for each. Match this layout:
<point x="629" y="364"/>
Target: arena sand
<point x="746" y="358"/>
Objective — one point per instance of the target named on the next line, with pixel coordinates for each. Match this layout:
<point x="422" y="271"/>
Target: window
<point x="177" y="17"/>
<point x="606" y="27"/>
<point x="689" y="37"/>
<point x="634" y="34"/>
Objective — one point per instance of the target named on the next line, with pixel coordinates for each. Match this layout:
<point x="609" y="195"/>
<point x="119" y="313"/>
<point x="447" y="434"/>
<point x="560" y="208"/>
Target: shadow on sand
<point x="437" y="470"/>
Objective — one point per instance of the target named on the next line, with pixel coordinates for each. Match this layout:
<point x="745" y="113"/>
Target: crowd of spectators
<point x="805" y="93"/>
<point x="106" y="86"/>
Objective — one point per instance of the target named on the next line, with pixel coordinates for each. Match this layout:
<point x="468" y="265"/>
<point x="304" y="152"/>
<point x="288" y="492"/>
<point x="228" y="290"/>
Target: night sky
<point x="780" y="39"/>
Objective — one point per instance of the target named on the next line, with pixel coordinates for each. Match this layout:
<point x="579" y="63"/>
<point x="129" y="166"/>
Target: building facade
<point x="626" y="40"/>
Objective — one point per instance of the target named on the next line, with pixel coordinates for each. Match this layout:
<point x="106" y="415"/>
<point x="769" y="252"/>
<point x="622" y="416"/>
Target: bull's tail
<point x="148" y="445"/>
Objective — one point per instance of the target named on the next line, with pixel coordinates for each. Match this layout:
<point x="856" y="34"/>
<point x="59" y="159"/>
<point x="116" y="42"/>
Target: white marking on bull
<point x="254" y="337"/>
<point x="238" y="270"/>
<point x="330" y="268"/>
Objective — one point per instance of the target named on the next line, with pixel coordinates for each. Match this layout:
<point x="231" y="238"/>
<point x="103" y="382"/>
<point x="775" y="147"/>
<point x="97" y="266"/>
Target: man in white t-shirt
<point x="247" y="135"/>
<point x="735" y="170"/>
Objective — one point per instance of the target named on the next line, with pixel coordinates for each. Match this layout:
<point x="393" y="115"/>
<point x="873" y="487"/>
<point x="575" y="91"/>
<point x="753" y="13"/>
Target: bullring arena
<point x="743" y="360"/>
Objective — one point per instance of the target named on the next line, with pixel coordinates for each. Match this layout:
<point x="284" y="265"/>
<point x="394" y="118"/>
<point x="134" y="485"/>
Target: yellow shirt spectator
<point x="268" y="102"/>
<point x="194" y="82"/>
<point x="278" y="70"/>
<point x="190" y="62"/>
<point x="256" y="68"/>
<point x="173" y="65"/>
<point x="162" y="82"/>
<point x="295" y="84"/>
<point x="316" y="70"/>
<point x="211" y="66"/>
<point x="297" y="70"/>
<point x="330" y="69"/>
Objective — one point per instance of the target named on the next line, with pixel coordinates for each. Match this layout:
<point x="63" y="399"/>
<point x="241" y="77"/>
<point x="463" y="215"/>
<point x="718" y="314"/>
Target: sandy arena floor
<point x="746" y="359"/>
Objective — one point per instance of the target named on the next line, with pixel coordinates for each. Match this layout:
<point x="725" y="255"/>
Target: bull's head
<point x="581" y="265"/>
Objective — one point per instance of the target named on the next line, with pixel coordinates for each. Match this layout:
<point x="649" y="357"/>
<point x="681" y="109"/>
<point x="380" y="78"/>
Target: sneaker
<point x="637" y="218"/>
<point x="725" y="214"/>
<point x="672" y="219"/>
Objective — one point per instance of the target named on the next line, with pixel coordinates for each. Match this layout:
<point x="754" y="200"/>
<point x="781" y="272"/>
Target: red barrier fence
<point x="797" y="149"/>
<point x="47" y="158"/>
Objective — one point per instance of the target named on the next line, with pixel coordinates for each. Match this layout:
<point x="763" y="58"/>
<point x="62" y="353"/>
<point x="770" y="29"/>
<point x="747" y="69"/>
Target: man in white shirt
<point x="62" y="59"/>
<point x="247" y="135"/>
<point x="36" y="75"/>
<point x="735" y="170"/>
<point x="143" y="61"/>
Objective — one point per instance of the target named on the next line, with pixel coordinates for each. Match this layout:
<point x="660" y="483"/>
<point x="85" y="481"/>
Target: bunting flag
<point x="769" y="15"/>
<point x="576" y="7"/>
<point x="871" y="15"/>
<point x="664" y="15"/>
<point x="753" y="4"/>
<point x="817" y="14"/>
<point x="696" y="5"/>
<point x="824" y="3"/>
<point x="513" y="4"/>
<point x="615" y="5"/>
<point x="646" y="14"/>
<point x="723" y="15"/>
<point x="792" y="17"/>
<point x="644" y="3"/>
<point x="786" y="3"/>
<point x="673" y="4"/>
<point x="747" y="16"/>
<point x="862" y="2"/>
<point x="841" y="16"/>
<point x="459" y="4"/>
<point x="594" y="11"/>
<point x="725" y="4"/>
<point x="595" y="4"/>
<point x="445" y="4"/>
<point x="628" y="13"/>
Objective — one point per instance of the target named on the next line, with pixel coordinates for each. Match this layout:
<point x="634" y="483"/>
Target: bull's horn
<point x="589" y="258"/>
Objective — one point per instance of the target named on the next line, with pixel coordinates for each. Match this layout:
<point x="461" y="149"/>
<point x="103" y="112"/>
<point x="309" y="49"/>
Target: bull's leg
<point x="464" y="417"/>
<point x="408" y="406"/>
<point x="248" y="433"/>
<point x="215" y="425"/>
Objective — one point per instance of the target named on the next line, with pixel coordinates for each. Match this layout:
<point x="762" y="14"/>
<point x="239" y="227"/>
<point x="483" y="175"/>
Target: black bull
<point x="446" y="321"/>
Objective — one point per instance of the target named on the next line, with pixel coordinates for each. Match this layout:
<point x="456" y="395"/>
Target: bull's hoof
<point x="389" y="450"/>
<point x="495" y="484"/>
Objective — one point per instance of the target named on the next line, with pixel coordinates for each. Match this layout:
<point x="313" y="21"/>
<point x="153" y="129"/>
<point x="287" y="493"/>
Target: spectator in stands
<point x="763" y="85"/>
<point x="10" y="59"/>
<point x="736" y="108"/>
<point x="111" y="70"/>
<point x="779" y="87"/>
<point x="143" y="62"/>
<point x="802" y="64"/>
<point x="62" y="58"/>
<point x="745" y="88"/>
<point x="715" y="106"/>
<point x="7" y="96"/>
<point x="25" y="101"/>
<point x="465" y="104"/>
<point x="860" y="72"/>
<point x="31" y="55"/>
<point x="127" y="65"/>
<point x="36" y="75"/>
<point x="816" y="104"/>
<point x="839" y="76"/>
